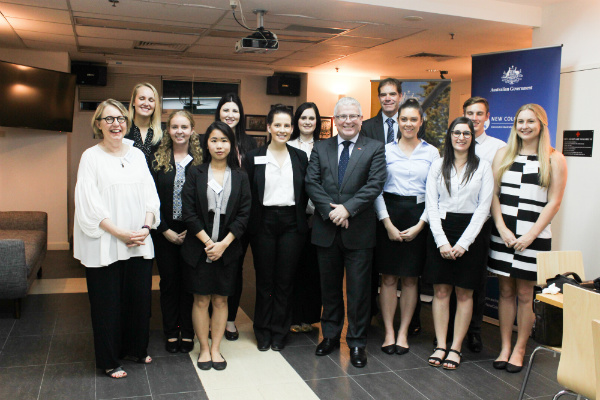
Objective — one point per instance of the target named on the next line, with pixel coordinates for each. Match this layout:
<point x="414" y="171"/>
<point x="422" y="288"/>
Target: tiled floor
<point x="48" y="354"/>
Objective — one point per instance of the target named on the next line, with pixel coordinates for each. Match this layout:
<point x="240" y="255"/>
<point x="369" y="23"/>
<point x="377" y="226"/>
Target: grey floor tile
<point x="342" y="358"/>
<point x="309" y="366"/>
<point x="69" y="381"/>
<point x="68" y="348"/>
<point x="173" y="375"/>
<point x="74" y="303"/>
<point x="388" y="385"/>
<point x="156" y="344"/>
<point x="338" y="388"/>
<point x="6" y="325"/>
<point x="34" y="323"/>
<point x="405" y="361"/>
<point x="201" y="395"/>
<point x="74" y="322"/>
<point x="481" y="383"/>
<point x="25" y="350"/>
<point x="303" y="339"/>
<point x="135" y="384"/>
<point x="435" y="385"/>
<point x="21" y="383"/>
<point x="48" y="303"/>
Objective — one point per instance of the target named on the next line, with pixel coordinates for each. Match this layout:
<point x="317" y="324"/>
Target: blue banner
<point x="509" y="80"/>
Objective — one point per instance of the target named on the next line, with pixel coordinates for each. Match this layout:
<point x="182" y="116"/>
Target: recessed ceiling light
<point x="431" y="70"/>
<point x="413" y="18"/>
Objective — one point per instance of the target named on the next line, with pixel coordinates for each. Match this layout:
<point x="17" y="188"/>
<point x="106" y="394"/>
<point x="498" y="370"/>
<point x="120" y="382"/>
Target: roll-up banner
<point x="510" y="79"/>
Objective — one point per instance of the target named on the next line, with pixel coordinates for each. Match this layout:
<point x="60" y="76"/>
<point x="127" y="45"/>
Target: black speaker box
<point x="89" y="74"/>
<point x="283" y="85"/>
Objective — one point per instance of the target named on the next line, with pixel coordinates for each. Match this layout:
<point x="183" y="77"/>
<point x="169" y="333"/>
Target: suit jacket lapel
<point x="259" y="173"/>
<point x="235" y="188"/>
<point x="296" y="173"/>
<point x="203" y="184"/>
<point x="379" y="127"/>
<point x="332" y="154"/>
<point x="357" y="153"/>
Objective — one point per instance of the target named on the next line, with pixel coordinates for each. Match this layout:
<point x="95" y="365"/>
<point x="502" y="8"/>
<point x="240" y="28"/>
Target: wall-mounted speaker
<point x="283" y="85"/>
<point x="89" y="74"/>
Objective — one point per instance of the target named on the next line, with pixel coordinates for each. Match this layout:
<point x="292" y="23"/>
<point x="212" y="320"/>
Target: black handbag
<point x="560" y="279"/>
<point x="548" y="328"/>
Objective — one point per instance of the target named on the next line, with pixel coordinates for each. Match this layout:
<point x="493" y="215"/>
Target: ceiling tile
<point x="217" y="41"/>
<point x="331" y="49"/>
<point x="137" y="19"/>
<point x="47" y="37"/>
<point x="35" y="13"/>
<point x="39" y="26"/>
<point x="347" y="40"/>
<point x="384" y="31"/>
<point x="99" y="42"/>
<point x="47" y="46"/>
<point x="110" y="33"/>
<point x="57" y="4"/>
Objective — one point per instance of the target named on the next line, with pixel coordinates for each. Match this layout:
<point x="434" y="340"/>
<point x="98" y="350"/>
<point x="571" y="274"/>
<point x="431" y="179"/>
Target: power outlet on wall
<point x="234" y="4"/>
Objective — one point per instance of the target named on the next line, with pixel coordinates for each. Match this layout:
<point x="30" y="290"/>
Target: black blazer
<point x="363" y="182"/>
<point x="256" y="175"/>
<point x="373" y="128"/>
<point x="195" y="213"/>
<point x="164" y="182"/>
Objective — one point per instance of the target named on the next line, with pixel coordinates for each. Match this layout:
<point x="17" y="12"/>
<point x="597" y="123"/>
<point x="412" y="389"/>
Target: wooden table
<point x="553" y="299"/>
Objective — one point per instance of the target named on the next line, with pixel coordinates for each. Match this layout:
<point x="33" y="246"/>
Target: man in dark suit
<point x="390" y="97"/>
<point x="345" y="175"/>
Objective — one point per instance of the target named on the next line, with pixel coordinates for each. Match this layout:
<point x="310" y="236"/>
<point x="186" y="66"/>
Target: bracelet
<point x="146" y="226"/>
<point x="209" y="239"/>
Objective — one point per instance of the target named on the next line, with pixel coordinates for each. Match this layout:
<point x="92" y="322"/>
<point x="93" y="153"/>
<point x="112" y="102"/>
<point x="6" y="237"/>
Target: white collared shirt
<point x="472" y="197"/>
<point x="279" y="182"/>
<point x="302" y="145"/>
<point x="385" y="126"/>
<point x="341" y="146"/>
<point x="487" y="146"/>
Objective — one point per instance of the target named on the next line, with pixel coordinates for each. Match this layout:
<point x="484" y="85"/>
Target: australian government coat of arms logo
<point x="512" y="76"/>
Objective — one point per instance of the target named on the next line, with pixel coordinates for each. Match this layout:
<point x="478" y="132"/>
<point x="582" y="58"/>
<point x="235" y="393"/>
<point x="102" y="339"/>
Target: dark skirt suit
<point x="175" y="301"/>
<point x="217" y="277"/>
<point x="277" y="237"/>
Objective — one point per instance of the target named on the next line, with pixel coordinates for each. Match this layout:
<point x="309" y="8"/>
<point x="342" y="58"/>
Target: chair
<point x="550" y="264"/>
<point x="578" y="366"/>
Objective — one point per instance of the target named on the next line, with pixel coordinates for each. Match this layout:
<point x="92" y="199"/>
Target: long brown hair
<point x="448" y="161"/>
<point x="162" y="157"/>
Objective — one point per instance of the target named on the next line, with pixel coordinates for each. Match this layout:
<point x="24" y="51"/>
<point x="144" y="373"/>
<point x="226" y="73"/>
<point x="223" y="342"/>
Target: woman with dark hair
<point x="216" y="207"/>
<point x="277" y="227"/>
<point x="144" y="112"/>
<point x="306" y="299"/>
<point x="231" y="111"/>
<point x="116" y="205"/>
<point x="401" y="242"/>
<point x="458" y="199"/>
<point x="179" y="150"/>
<point x="530" y="179"/>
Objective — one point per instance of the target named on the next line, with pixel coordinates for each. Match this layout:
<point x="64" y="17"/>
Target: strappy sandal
<point x="449" y="364"/>
<point x="139" y="360"/>
<point x="112" y="373"/>
<point x="432" y="360"/>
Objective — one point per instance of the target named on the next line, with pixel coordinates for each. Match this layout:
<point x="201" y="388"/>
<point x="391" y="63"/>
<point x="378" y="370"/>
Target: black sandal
<point x="431" y="360"/>
<point x="111" y="372"/>
<point x="450" y="363"/>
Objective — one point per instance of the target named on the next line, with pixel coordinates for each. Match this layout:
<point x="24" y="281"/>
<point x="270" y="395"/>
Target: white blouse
<point x="120" y="189"/>
<point x="279" y="182"/>
<point x="473" y="197"/>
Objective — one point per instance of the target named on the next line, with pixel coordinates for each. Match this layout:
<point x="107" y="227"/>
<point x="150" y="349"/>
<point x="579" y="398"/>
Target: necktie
<point x="343" y="161"/>
<point x="390" y="134"/>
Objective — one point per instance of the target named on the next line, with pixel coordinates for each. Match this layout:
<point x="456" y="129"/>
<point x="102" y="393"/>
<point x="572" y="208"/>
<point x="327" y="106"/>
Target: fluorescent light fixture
<point x="193" y="67"/>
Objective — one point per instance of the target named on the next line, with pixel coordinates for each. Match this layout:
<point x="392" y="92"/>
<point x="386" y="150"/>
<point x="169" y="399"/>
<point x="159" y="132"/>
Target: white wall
<point x="33" y="163"/>
<point x="575" y="25"/>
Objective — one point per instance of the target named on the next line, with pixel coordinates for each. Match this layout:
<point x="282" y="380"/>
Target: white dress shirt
<point x="279" y="182"/>
<point x="472" y="197"/>
<point x="487" y="146"/>
<point x="406" y="176"/>
<point x="385" y="126"/>
<point x="302" y="145"/>
<point x="350" y="148"/>
<point x="120" y="189"/>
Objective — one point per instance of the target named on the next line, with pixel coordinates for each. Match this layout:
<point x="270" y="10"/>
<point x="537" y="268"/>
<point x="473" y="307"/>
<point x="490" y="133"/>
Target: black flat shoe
<point x="186" y="346"/>
<point x="220" y="365"/>
<point x="263" y="346"/>
<point x="389" y="349"/>
<point x="277" y="346"/>
<point x="231" y="336"/>
<point x="512" y="368"/>
<point x="172" y="346"/>
<point x="327" y="346"/>
<point x="358" y="357"/>
<point x="499" y="364"/>
<point x="401" y="350"/>
<point x="205" y="365"/>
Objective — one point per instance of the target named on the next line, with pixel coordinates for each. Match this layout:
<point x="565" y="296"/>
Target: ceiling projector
<point x="261" y="41"/>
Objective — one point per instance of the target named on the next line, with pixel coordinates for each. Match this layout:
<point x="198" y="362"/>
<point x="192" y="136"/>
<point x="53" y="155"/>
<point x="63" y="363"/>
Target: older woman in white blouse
<point x="458" y="198"/>
<point x="116" y="205"/>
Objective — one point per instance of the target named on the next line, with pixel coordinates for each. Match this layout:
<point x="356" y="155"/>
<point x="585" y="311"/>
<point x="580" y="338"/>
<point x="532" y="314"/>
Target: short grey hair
<point x="347" y="101"/>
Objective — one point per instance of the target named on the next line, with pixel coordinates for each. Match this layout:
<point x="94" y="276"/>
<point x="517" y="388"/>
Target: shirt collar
<point x="271" y="159"/>
<point x="353" y="140"/>
<point x="481" y="138"/>
<point x="385" y="117"/>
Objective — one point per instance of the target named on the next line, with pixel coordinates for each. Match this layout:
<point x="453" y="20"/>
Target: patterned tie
<point x="343" y="161"/>
<point x="390" y="134"/>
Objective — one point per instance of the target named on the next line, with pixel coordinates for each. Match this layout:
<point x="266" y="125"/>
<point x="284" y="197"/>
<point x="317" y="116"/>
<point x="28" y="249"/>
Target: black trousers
<point x="175" y="302"/>
<point x="120" y="300"/>
<point x="306" y="299"/>
<point x="358" y="264"/>
<point x="478" y="294"/>
<point x="276" y="249"/>
<point x="233" y="302"/>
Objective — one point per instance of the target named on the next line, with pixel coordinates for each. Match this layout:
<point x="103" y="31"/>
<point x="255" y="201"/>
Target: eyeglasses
<point x="110" y="120"/>
<point x="351" y="117"/>
<point x="466" y="134"/>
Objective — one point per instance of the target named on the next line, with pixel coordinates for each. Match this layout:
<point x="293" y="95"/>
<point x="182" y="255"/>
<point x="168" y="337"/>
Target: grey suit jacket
<point x="373" y="128"/>
<point x="363" y="182"/>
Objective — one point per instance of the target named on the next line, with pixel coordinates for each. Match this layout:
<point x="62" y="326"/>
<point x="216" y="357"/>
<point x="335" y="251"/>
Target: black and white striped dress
<point x="522" y="200"/>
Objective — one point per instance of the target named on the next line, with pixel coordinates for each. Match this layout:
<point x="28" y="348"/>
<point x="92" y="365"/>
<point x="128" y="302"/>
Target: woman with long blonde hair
<point x="145" y="114"/>
<point x="529" y="183"/>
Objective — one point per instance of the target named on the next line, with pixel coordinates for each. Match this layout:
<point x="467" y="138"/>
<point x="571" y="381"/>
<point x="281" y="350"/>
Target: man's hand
<point x="339" y="214"/>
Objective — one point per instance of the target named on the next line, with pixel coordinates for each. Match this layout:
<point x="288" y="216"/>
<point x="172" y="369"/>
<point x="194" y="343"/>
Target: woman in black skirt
<point x="400" y="250"/>
<point x="458" y="199"/>
<point x="216" y="208"/>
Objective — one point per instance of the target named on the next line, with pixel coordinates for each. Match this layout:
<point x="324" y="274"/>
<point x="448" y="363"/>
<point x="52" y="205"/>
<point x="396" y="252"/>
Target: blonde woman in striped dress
<point x="530" y="178"/>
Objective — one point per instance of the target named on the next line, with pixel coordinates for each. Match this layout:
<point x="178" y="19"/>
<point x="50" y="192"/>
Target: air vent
<point x="160" y="46"/>
<point x="315" y="29"/>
